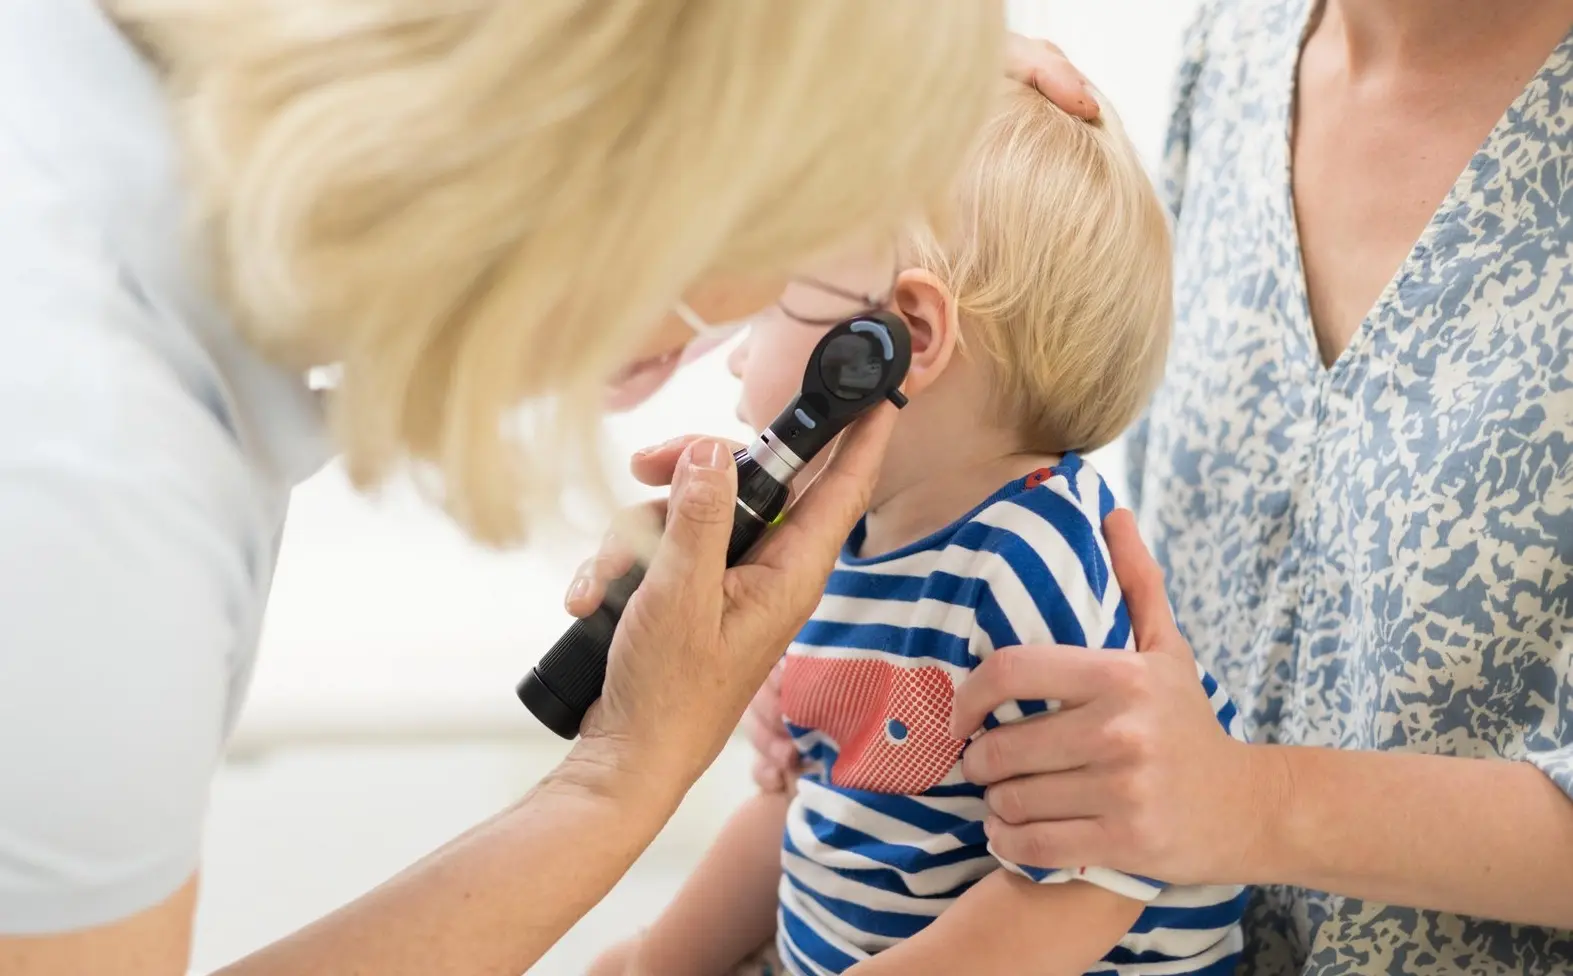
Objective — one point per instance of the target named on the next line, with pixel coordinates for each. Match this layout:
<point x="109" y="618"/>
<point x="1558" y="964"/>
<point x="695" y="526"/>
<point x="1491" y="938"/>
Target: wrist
<point x="612" y="769"/>
<point x="1271" y="799"/>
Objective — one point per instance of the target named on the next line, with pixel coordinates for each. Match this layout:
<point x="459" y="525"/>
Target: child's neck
<point x="925" y="486"/>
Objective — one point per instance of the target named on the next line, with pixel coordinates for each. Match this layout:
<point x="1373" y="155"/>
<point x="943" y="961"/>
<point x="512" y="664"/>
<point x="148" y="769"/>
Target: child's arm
<point x="1007" y="924"/>
<point x="727" y="907"/>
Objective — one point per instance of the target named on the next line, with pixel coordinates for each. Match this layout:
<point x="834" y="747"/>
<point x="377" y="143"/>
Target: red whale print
<point x="889" y="723"/>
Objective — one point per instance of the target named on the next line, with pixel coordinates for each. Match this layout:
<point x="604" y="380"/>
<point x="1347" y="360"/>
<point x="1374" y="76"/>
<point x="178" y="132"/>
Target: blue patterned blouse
<point x="1378" y="555"/>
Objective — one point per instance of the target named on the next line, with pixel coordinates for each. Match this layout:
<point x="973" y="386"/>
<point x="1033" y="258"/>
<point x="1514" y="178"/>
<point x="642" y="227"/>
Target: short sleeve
<point x="121" y="579"/>
<point x="1557" y="764"/>
<point x="1048" y="582"/>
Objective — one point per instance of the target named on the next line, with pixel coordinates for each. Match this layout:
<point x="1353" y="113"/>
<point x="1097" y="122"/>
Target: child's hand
<point x="776" y="761"/>
<point x="617" y="960"/>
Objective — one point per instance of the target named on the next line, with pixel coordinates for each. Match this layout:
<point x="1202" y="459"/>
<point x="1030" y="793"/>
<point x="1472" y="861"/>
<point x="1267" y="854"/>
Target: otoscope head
<point x="857" y="364"/>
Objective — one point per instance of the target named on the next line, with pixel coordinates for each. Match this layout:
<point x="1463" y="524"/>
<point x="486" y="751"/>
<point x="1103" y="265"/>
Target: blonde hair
<point x="468" y="204"/>
<point x="1057" y="251"/>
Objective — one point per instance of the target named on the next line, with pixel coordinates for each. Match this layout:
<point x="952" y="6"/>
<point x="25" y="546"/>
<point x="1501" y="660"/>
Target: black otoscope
<point x="858" y="364"/>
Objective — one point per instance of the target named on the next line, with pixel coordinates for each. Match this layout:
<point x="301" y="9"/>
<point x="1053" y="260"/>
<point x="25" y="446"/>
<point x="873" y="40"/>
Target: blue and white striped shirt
<point x="885" y="833"/>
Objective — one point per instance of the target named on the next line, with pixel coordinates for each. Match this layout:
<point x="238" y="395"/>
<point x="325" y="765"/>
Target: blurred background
<point x="382" y="720"/>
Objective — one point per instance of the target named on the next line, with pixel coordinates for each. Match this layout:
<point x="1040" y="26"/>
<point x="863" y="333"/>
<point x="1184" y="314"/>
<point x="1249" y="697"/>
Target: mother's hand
<point x="698" y="639"/>
<point x="1134" y="771"/>
<point x="1045" y="67"/>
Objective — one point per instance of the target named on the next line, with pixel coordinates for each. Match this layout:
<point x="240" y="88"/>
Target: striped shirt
<point x="885" y="833"/>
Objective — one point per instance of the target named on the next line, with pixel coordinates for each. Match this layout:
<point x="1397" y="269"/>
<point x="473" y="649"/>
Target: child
<point x="1039" y="328"/>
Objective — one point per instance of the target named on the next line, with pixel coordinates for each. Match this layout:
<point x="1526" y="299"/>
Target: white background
<point x="382" y="719"/>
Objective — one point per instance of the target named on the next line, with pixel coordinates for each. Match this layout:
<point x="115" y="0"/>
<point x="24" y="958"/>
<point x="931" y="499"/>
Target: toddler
<point x="1039" y="320"/>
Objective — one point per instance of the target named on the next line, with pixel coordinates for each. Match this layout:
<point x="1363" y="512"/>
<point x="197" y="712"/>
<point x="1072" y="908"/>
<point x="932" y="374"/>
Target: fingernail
<point x="990" y="827"/>
<point x="578" y="591"/>
<point x="656" y="448"/>
<point x="783" y="752"/>
<point x="707" y="456"/>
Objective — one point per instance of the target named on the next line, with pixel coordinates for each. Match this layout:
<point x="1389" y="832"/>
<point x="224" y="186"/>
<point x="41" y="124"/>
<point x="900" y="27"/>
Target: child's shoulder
<point x="1056" y="508"/>
<point x="1041" y="560"/>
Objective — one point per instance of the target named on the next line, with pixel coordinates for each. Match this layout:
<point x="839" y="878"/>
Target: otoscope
<point x="858" y="364"/>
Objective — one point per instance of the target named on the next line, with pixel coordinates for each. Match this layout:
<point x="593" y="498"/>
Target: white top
<point x="146" y="458"/>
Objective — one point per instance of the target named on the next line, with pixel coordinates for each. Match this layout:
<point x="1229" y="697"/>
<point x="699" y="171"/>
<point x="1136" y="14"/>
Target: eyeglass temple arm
<point x="837" y="290"/>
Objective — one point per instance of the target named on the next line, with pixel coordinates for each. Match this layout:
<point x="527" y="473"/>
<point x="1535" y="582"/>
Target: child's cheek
<point x="753" y="408"/>
<point x="767" y="389"/>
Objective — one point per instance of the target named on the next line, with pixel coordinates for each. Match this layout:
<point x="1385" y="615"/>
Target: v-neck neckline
<point x="1304" y="329"/>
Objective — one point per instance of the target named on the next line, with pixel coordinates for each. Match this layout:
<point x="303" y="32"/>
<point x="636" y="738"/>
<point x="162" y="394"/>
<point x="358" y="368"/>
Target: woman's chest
<point x="1452" y="406"/>
<point x="1385" y="553"/>
<point x="1383" y="548"/>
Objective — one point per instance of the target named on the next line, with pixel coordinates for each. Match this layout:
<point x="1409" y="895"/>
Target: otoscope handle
<point x="569" y="678"/>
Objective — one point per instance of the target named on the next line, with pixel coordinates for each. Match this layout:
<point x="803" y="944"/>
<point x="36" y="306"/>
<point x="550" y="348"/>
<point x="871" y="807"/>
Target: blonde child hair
<point x="1057" y="251"/>
<point x="467" y="204"/>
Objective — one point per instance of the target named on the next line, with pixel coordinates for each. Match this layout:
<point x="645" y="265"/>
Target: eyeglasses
<point x="814" y="301"/>
<point x="807" y="299"/>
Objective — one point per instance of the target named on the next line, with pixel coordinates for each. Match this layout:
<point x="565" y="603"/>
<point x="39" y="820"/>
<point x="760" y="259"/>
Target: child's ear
<point x="930" y="312"/>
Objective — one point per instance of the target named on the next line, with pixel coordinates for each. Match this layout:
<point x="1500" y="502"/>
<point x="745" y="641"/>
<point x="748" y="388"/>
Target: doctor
<point x="464" y="205"/>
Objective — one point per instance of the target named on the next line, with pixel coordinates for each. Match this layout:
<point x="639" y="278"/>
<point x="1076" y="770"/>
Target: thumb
<point x="691" y="556"/>
<point x="819" y="520"/>
<point x="1141" y="582"/>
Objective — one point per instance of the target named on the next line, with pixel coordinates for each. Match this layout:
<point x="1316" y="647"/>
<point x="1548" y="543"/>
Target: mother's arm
<point x="1135" y="773"/>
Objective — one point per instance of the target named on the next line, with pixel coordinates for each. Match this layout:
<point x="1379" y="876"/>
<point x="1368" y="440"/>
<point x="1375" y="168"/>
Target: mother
<point x="461" y="204"/>
<point x="1358" y="478"/>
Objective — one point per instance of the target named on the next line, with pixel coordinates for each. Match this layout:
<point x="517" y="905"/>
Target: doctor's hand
<point x="698" y="639"/>
<point x="1044" y="66"/>
<point x="1134" y="771"/>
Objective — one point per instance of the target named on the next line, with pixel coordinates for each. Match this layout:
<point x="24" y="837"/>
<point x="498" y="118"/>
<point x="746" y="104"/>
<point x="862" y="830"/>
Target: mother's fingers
<point x="1053" y="743"/>
<point x="1062" y="843"/>
<point x="1069" y="675"/>
<point x="1141" y="582"/>
<point x="1044" y="66"/>
<point x="1071" y="795"/>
